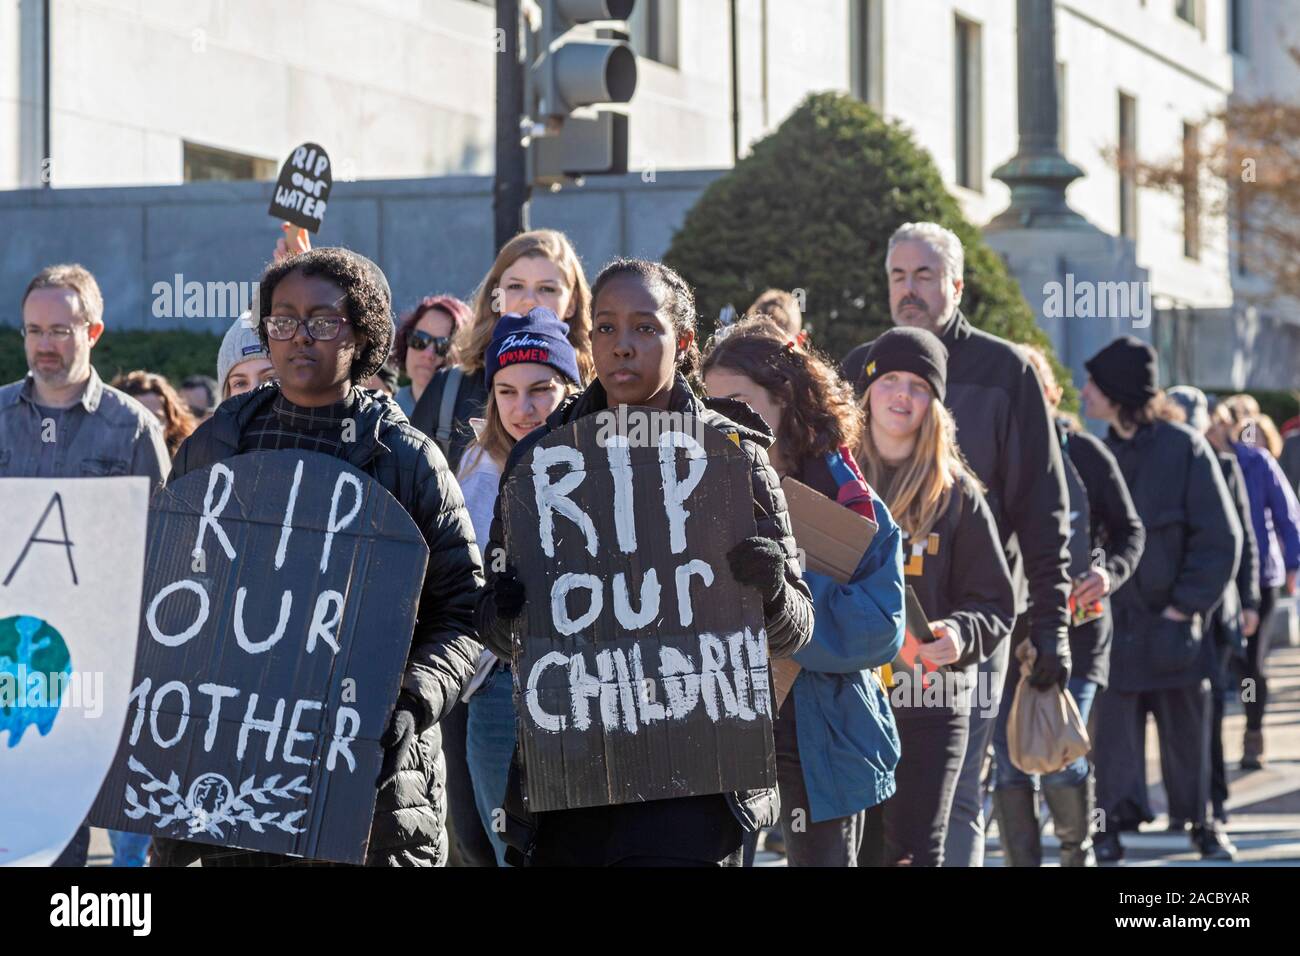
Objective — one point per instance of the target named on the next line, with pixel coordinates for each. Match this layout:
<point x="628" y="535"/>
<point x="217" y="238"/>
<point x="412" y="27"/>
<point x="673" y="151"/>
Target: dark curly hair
<point x="678" y="302"/>
<point x="366" y="296"/>
<point x="819" y="412"/>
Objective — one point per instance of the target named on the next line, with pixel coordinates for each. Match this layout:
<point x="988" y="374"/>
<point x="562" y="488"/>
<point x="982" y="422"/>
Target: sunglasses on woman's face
<point x="420" y="340"/>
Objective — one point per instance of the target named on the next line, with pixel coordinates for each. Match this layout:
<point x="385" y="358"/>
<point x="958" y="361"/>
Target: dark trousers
<point x="834" y="842"/>
<point x="1119" y="752"/>
<point x="916" y="816"/>
<point x="1256" y="653"/>
<point x="1218" y="770"/>
<point x="470" y="845"/>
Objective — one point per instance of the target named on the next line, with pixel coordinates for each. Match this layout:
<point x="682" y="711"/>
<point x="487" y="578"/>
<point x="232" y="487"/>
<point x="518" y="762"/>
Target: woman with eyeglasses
<point x="423" y="343"/>
<point x="326" y="321"/>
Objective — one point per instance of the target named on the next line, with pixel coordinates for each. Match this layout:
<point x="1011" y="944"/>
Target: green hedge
<point x="175" y="354"/>
<point x="813" y="206"/>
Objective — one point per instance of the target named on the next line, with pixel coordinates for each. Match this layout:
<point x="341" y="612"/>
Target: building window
<point x="1191" y="11"/>
<point x="866" y="51"/>
<point x="1237" y="26"/>
<point x="1127" y="167"/>
<point x="1191" y="191"/>
<point x="203" y="163"/>
<point x="653" y="26"/>
<point x="969" y="100"/>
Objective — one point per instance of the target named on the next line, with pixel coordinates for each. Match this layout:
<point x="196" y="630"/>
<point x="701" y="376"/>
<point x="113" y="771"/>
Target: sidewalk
<point x="1263" y="805"/>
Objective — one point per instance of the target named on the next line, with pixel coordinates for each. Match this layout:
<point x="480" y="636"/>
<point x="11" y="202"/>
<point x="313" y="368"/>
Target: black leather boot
<point x="1017" y="814"/>
<point x="1072" y="816"/>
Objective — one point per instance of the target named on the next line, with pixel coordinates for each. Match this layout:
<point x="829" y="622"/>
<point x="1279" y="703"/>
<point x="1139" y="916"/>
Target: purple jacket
<point x="1273" y="511"/>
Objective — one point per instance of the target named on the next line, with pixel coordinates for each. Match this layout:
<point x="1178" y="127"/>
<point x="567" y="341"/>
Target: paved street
<point x="1264" y="806"/>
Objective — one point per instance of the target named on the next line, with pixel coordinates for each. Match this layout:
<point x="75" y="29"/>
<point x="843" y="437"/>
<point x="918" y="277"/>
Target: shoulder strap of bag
<point x="450" y="389"/>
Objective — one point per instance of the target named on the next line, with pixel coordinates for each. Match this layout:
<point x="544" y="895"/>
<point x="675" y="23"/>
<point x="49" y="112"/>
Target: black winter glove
<point x="1049" y="669"/>
<point x="760" y="563"/>
<point x="398" y="742"/>
<point x="509" y="595"/>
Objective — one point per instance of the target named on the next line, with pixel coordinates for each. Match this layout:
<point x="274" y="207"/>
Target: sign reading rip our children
<point x="71" y="567"/>
<point x="303" y="188"/>
<point x="280" y="594"/>
<point x="641" y="666"/>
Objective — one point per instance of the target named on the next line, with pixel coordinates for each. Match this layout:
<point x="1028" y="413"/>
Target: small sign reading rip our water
<point x="303" y="189"/>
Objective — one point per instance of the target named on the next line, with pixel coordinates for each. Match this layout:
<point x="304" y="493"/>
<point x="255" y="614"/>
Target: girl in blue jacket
<point x="836" y="743"/>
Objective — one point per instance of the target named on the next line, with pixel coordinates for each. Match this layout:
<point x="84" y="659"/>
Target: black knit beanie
<point x="907" y="349"/>
<point x="1125" y="371"/>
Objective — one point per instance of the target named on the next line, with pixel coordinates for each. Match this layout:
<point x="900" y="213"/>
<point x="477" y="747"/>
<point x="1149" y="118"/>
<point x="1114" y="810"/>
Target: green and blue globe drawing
<point x="34" y="666"/>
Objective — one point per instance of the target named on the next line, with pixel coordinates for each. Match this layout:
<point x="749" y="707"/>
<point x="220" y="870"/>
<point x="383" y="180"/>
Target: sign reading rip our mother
<point x="280" y="595"/>
<point x="640" y="663"/>
<point x="303" y="189"/>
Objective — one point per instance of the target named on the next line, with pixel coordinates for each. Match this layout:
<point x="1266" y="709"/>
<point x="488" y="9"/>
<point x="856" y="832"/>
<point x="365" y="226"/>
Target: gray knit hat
<point x="1194" y="404"/>
<point x="241" y="342"/>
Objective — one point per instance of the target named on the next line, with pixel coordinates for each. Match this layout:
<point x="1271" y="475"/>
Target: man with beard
<point x="1006" y="434"/>
<point x="61" y="420"/>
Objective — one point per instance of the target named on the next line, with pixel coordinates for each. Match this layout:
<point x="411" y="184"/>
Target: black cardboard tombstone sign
<point x="273" y="638"/>
<point x="303" y="188"/>
<point x="640" y="663"/>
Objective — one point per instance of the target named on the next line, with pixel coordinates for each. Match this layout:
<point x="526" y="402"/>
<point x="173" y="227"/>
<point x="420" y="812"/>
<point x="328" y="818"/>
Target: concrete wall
<point x="429" y="235"/>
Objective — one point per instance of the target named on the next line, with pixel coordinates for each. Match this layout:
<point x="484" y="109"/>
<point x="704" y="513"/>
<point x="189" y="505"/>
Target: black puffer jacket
<point x="1193" y="546"/>
<point x="789" y="626"/>
<point x="408" y="826"/>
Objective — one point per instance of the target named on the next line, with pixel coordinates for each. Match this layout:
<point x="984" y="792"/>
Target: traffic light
<point x="567" y="76"/>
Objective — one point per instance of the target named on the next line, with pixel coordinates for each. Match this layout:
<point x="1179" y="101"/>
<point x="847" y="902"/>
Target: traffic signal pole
<point x="510" y="190"/>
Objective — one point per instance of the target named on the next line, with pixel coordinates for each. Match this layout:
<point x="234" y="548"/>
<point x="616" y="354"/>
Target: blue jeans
<point x="490" y="742"/>
<point x="1008" y="777"/>
<point x="129" y="849"/>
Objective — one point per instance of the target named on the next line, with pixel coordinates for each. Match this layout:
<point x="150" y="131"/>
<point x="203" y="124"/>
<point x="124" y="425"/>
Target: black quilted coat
<point x="410" y="813"/>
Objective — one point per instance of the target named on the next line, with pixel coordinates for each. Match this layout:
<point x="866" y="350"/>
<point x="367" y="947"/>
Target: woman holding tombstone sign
<point x="836" y="743"/>
<point x="643" y="345"/>
<point x="525" y="384"/>
<point x="954" y="562"/>
<point x="325" y="319"/>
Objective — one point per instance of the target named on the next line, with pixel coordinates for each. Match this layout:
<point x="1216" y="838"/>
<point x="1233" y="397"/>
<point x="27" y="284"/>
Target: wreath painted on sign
<point x="211" y="802"/>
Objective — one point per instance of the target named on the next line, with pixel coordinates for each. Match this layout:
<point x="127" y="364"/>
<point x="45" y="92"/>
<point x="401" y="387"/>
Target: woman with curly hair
<point x="325" y="320"/>
<point x="155" y="393"/>
<point x="836" y="743"/>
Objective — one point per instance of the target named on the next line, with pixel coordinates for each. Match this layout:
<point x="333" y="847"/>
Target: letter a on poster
<point x="71" y="572"/>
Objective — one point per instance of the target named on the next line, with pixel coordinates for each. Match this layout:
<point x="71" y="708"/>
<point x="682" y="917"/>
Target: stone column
<point x="1038" y="174"/>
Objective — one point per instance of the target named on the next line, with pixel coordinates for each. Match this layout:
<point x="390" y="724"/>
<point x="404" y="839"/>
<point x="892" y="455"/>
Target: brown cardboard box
<point x="833" y="539"/>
